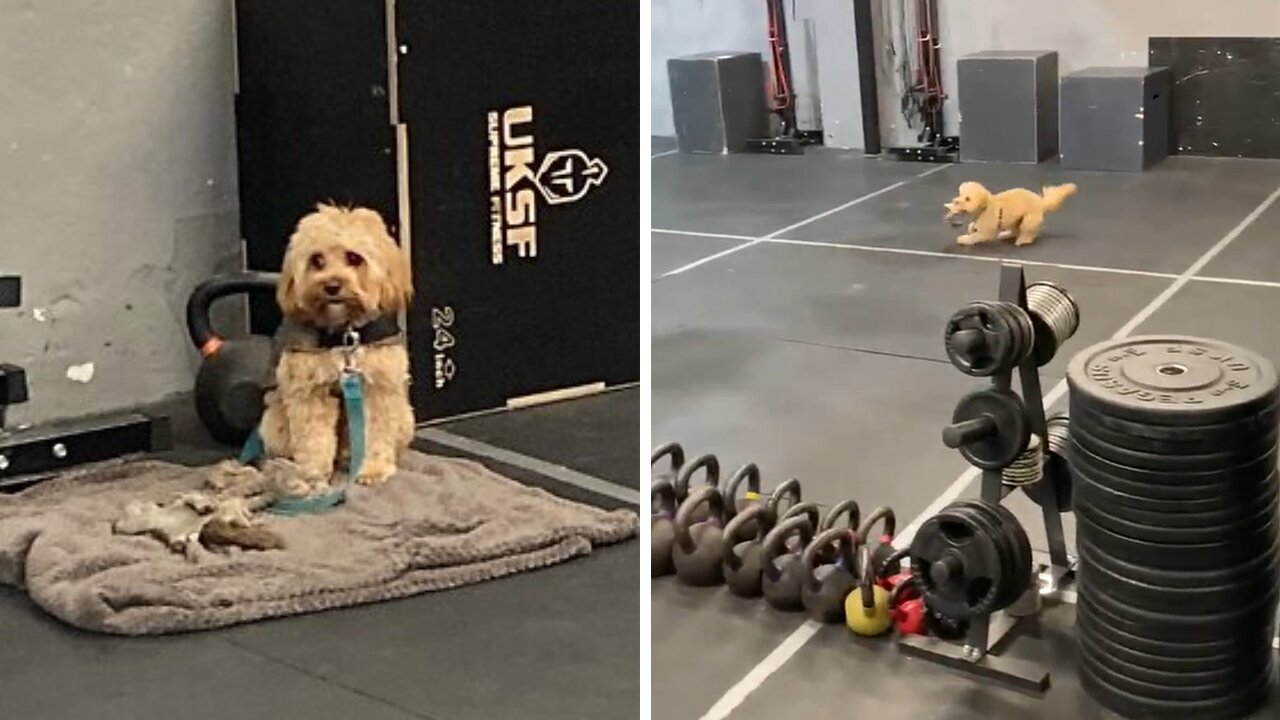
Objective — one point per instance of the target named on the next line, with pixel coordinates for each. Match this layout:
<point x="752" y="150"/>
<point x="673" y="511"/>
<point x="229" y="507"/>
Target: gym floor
<point x="556" y="644"/>
<point x="798" y="310"/>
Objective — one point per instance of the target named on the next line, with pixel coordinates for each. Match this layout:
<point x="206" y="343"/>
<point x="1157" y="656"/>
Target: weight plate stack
<point x="1172" y="448"/>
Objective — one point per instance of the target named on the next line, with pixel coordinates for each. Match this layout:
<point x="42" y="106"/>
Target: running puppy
<point x="1017" y="212"/>
<point x="343" y="282"/>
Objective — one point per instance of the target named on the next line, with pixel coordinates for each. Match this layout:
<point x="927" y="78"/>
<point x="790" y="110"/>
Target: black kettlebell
<point x="849" y="509"/>
<point x="697" y="547"/>
<point x="741" y="558"/>
<point x="881" y="547"/>
<point x="742" y="566"/>
<point x="750" y="474"/>
<point x="667" y="450"/>
<point x="662" y="532"/>
<point x="233" y="374"/>
<point x="710" y="467"/>
<point x="826" y="585"/>
<point x="783" y="573"/>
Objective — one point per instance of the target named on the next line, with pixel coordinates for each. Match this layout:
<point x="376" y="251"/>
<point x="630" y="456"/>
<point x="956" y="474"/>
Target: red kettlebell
<point x="906" y="607"/>
<point x="892" y="574"/>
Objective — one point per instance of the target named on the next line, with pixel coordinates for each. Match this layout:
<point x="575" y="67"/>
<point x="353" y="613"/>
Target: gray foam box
<point x="1008" y="106"/>
<point x="1115" y="118"/>
<point x="717" y="101"/>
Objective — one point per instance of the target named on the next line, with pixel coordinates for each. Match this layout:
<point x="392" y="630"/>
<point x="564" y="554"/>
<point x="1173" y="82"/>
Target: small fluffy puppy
<point x="342" y="272"/>
<point x="1018" y="212"/>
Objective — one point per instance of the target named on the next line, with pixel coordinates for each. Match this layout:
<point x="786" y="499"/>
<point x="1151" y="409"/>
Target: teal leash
<point x="353" y="400"/>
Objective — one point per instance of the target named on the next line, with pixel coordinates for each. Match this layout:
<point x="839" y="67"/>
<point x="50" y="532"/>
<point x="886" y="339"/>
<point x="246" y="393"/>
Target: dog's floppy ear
<point x="397" y="289"/>
<point x="287" y="289"/>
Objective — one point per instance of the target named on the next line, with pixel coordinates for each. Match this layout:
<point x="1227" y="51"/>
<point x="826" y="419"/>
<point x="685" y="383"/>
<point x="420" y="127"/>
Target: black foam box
<point x="501" y="142"/>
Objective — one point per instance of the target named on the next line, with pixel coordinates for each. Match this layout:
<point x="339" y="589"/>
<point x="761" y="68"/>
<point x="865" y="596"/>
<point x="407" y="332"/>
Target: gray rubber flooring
<point x="814" y="349"/>
<point x="554" y="644"/>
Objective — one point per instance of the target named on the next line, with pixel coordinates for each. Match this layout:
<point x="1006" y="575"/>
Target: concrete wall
<point x="683" y="27"/>
<point x="1084" y="32"/>
<point x="824" y="62"/>
<point x="117" y="192"/>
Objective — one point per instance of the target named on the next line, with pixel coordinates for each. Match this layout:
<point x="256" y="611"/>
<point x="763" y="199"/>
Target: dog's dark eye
<point x="354" y="259"/>
<point x="316" y="261"/>
<point x="966" y="198"/>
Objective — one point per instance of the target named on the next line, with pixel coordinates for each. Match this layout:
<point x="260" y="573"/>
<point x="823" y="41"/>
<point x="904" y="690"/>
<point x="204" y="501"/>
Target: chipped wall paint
<point x="118" y="193"/>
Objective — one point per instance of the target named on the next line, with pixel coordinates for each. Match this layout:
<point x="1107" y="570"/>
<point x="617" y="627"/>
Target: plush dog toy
<point x="1018" y="212"/>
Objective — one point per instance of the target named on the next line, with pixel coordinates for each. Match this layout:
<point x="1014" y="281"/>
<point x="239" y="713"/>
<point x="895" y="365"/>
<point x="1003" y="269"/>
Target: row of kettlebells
<point x="796" y="559"/>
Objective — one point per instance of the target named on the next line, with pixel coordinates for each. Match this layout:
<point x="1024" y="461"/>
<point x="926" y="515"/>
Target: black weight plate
<point x="1081" y="435"/>
<point x="1232" y="707"/>
<point x="1243" y="620"/>
<point x="1176" y="439"/>
<point x="1235" y="548"/>
<point x="1221" y="507"/>
<point x="1125" y="508"/>
<point x="1023" y="570"/>
<point x="1235" y="484"/>
<point x="1121" y="677"/>
<point x="1215" y="681"/>
<point x="1020" y="323"/>
<point x="1012" y="434"/>
<point x="1172" y="380"/>
<point x="1132" y="637"/>
<point x="996" y="352"/>
<point x="1105" y="640"/>
<point x="1206" y="598"/>
<point x="1012" y="580"/>
<point x="1176" y="581"/>
<point x="955" y="530"/>
<point x="1176" y="536"/>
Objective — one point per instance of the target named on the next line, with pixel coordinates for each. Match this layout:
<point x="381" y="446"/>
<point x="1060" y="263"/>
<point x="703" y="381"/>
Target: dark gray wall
<point x="117" y="192"/>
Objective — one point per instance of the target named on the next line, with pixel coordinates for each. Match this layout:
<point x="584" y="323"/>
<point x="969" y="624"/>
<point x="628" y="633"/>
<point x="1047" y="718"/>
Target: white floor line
<point x="806" y="221"/>
<point x="663" y="154"/>
<point x="976" y="258"/>
<point x="538" y="465"/>
<point x="972" y="258"/>
<point x="783" y="652"/>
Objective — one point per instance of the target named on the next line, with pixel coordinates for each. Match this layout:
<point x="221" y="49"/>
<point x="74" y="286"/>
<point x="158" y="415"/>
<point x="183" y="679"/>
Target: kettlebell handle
<point x="709" y="495"/>
<point x="789" y="489"/>
<point x="808" y="510"/>
<point x="751" y="512"/>
<point x="672" y="450"/>
<point x="849" y="507"/>
<point x="665" y="495"/>
<point x="848" y="541"/>
<point x="199" y="304"/>
<point x="895" y="595"/>
<point x="776" y="539"/>
<point x="881" y="514"/>
<point x="751" y="474"/>
<point x="708" y="464"/>
<point x="894" y="562"/>
<point x="867" y="585"/>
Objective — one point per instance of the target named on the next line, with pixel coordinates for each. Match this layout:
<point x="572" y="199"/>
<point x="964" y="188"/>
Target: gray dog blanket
<point x="438" y="523"/>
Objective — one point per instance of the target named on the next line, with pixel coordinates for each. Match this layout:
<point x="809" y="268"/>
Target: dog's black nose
<point x="332" y="288"/>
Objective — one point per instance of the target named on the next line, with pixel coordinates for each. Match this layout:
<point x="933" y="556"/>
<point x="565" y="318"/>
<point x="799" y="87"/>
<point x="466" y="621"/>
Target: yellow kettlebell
<point x="866" y="609"/>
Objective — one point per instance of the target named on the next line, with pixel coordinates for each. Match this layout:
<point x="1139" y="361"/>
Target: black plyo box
<point x="1226" y="94"/>
<point x="717" y="101"/>
<point x="501" y="142"/>
<point x="1114" y="118"/>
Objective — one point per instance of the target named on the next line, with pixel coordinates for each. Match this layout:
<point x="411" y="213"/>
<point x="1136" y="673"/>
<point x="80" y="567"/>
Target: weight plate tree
<point x="1172" y="447"/>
